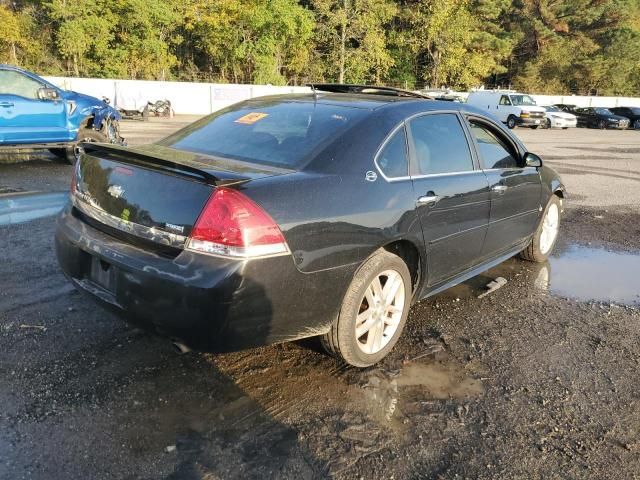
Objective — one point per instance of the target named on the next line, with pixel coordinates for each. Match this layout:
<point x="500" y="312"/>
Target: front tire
<point x="545" y="237"/>
<point x="70" y="154"/>
<point x="374" y="311"/>
<point x="602" y="125"/>
<point x="511" y="122"/>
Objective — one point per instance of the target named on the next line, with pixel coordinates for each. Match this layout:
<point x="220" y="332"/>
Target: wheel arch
<point x="410" y="254"/>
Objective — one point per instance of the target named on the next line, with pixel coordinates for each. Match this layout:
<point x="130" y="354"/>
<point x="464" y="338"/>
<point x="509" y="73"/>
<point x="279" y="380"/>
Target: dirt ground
<point x="538" y="379"/>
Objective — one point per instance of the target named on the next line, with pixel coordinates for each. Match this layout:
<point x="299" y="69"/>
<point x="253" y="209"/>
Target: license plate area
<point x="103" y="274"/>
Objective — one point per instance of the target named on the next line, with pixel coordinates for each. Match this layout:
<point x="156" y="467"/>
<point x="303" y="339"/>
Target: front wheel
<point x="71" y="153"/>
<point x="602" y="124"/>
<point x="533" y="127"/>
<point x="511" y="122"/>
<point x="548" y="123"/>
<point x="545" y="236"/>
<point x="373" y="313"/>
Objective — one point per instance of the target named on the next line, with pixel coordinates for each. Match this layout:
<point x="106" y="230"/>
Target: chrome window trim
<point x="382" y="147"/>
<point x="460" y="116"/>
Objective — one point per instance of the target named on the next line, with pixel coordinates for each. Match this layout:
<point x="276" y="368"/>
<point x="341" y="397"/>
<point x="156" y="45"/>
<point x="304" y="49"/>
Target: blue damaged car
<point x="36" y="114"/>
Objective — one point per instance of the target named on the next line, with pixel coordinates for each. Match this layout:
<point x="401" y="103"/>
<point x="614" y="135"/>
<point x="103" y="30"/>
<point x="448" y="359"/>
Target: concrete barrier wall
<point x="203" y="98"/>
<point x="186" y="97"/>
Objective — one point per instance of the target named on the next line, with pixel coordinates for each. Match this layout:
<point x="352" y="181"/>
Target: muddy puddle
<point x="577" y="272"/>
<point x="389" y="393"/>
<point x="596" y="274"/>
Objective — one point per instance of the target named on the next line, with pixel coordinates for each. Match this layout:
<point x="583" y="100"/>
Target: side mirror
<point x="48" y="94"/>
<point x="532" y="160"/>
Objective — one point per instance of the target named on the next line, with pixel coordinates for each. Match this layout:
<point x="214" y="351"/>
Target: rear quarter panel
<point x="329" y="213"/>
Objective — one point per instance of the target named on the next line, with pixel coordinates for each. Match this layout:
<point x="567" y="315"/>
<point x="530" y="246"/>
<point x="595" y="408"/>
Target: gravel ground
<point x="536" y="380"/>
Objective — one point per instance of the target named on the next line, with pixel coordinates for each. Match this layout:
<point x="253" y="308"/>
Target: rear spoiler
<point x="156" y="162"/>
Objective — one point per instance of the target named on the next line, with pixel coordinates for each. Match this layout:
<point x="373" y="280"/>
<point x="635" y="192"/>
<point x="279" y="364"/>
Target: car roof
<point x="365" y="101"/>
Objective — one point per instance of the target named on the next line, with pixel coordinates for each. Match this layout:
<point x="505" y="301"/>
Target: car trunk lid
<point x="152" y="192"/>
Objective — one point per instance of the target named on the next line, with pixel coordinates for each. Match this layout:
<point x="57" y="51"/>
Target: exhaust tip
<point x="180" y="348"/>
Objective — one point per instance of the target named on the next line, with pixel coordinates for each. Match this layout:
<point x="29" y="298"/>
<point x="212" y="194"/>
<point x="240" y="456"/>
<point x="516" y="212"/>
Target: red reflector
<point x="232" y="224"/>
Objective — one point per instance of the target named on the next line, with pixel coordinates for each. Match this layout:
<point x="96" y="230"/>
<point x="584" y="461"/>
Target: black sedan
<point x="599" y="117"/>
<point x="323" y="214"/>
<point x="631" y="113"/>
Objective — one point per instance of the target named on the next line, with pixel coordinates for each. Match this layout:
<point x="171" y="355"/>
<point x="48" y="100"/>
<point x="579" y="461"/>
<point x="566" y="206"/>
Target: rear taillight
<point x="232" y="225"/>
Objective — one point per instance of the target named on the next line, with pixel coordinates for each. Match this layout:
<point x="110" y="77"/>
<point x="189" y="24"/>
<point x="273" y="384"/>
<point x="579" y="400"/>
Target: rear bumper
<point x="209" y="303"/>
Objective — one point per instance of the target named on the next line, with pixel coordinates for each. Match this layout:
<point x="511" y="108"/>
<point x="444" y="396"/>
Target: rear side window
<point x="494" y="153"/>
<point x="392" y="159"/>
<point x="440" y="145"/>
<point x="275" y="132"/>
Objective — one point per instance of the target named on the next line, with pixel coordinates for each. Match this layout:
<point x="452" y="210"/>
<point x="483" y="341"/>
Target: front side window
<point x="14" y="83"/>
<point x="392" y="159"/>
<point x="440" y="145"/>
<point x="522" y="100"/>
<point x="494" y="153"/>
<point x="504" y="100"/>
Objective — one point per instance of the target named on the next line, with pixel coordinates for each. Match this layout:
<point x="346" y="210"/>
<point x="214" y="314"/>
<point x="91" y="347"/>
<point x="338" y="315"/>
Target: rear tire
<point x="374" y="311"/>
<point x="511" y="122"/>
<point x="545" y="237"/>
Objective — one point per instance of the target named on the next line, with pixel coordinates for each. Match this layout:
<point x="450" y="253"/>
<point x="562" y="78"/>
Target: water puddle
<point x="582" y="273"/>
<point x="417" y="382"/>
<point x="20" y="208"/>
<point x="594" y="274"/>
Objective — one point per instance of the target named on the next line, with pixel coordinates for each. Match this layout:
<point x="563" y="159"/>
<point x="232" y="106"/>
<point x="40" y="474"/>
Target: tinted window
<point x="522" y="100"/>
<point x="494" y="153"/>
<point x="603" y="111"/>
<point x="440" y="145"/>
<point x="392" y="159"/>
<point x="276" y="132"/>
<point x="14" y="83"/>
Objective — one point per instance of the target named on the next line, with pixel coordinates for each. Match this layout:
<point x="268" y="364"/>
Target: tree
<point x="352" y="38"/>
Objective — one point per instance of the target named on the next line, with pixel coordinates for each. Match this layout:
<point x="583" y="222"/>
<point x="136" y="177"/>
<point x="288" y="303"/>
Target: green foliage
<point x="541" y="46"/>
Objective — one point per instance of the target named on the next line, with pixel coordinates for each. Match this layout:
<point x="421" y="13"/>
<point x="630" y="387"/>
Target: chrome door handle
<point x="6" y="104"/>
<point x="427" y="200"/>
<point x="499" y="188"/>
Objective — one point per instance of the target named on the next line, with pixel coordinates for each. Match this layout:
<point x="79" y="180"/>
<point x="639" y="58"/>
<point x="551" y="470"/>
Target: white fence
<point x="186" y="98"/>
<point x="204" y="98"/>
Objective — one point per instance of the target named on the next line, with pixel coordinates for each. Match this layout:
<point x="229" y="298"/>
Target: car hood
<point x="531" y="108"/>
<point x="565" y="115"/>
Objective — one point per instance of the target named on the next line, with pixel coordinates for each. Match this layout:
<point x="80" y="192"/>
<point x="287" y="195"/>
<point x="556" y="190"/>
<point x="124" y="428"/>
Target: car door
<point x="24" y="117"/>
<point x="452" y="194"/>
<point x="515" y="188"/>
<point x="505" y="108"/>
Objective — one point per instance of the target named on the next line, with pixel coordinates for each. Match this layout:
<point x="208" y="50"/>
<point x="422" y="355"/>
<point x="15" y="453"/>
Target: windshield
<point x="551" y="109"/>
<point x="522" y="100"/>
<point x="280" y="132"/>
<point x="603" y="111"/>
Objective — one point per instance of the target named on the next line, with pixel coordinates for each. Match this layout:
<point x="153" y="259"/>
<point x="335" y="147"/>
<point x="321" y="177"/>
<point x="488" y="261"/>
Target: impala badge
<point x="371" y="176"/>
<point x="115" y="191"/>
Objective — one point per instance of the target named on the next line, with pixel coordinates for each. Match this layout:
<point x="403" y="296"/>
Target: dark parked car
<point x="598" y="117"/>
<point x="323" y="214"/>
<point x="631" y="113"/>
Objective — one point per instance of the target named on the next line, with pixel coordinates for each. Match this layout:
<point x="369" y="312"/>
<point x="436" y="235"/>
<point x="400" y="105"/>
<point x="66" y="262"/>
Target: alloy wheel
<point x="380" y="312"/>
<point x="550" y="226"/>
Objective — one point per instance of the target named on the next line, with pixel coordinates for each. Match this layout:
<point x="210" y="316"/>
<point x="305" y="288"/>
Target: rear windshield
<point x="275" y="132"/>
